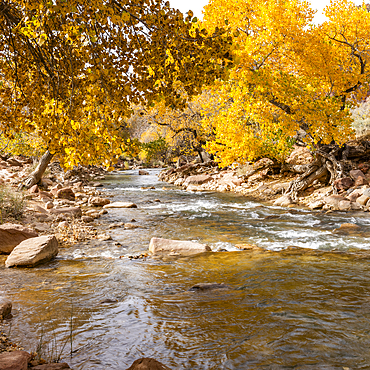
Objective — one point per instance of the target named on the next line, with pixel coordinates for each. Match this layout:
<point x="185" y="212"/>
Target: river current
<point x="283" y="311"/>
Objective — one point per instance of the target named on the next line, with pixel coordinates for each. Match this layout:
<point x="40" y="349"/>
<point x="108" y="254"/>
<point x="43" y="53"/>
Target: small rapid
<point x="282" y="311"/>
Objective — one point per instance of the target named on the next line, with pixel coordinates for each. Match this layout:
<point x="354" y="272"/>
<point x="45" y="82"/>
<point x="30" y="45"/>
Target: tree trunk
<point x="35" y="176"/>
<point x="332" y="163"/>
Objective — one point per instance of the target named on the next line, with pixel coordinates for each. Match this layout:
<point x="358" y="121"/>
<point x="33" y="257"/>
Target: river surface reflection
<point x="283" y="310"/>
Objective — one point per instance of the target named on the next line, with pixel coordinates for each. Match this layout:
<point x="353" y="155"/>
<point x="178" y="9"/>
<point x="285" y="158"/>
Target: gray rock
<point x="167" y="246"/>
<point x="33" y="251"/>
<point x="12" y="234"/>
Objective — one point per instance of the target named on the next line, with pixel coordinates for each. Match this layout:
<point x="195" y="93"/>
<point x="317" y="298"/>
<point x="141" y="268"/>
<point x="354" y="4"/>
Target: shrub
<point x="11" y="204"/>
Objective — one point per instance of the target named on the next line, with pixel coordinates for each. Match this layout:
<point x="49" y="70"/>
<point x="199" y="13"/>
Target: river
<point x="283" y="311"/>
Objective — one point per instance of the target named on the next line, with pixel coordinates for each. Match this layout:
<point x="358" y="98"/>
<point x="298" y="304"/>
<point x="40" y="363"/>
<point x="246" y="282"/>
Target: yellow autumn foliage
<point x="289" y="75"/>
<point x="71" y="70"/>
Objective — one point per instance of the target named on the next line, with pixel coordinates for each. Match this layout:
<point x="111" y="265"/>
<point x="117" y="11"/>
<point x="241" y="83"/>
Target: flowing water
<point x="283" y="310"/>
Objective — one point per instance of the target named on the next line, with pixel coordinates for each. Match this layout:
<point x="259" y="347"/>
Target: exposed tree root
<point x="332" y="162"/>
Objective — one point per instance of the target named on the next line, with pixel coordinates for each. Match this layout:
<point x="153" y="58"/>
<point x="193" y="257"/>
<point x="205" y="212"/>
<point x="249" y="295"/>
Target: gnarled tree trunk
<point x="332" y="162"/>
<point x="35" y="176"/>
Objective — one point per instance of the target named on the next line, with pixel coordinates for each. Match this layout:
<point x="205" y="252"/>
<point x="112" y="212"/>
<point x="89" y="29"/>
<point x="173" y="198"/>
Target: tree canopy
<point x="289" y="75"/>
<point x="70" y="70"/>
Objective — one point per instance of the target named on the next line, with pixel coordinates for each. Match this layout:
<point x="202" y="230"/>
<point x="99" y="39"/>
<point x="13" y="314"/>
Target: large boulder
<point x="167" y="246"/>
<point x="16" y="360"/>
<point x="12" y="234"/>
<point x="197" y="180"/>
<point x="120" y="205"/>
<point x="33" y="251"/>
<point x="147" y="364"/>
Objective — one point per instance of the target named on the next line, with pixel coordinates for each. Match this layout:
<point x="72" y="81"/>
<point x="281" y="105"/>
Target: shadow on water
<point x="284" y="310"/>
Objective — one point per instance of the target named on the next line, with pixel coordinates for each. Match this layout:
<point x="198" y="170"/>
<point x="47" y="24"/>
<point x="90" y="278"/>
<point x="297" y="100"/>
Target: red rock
<point x="364" y="167"/>
<point x="16" y="360"/>
<point x="359" y="177"/>
<point x="66" y="193"/>
<point x="12" y="234"/>
<point x="147" y="364"/>
<point x="34" y="251"/>
<point x="343" y="183"/>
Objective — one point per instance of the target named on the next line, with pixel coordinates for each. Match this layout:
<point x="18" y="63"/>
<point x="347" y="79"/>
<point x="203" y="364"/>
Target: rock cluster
<point x="208" y="177"/>
<point x="350" y="193"/>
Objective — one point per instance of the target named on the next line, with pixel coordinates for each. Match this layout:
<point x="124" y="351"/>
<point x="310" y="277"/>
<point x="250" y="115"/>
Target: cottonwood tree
<point x="182" y="129"/>
<point x="291" y="75"/>
<point x="70" y="70"/>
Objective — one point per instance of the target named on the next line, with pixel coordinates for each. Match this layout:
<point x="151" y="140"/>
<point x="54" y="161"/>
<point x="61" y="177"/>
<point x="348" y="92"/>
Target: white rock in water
<point x="120" y="205"/>
<point x="166" y="246"/>
<point x="33" y="251"/>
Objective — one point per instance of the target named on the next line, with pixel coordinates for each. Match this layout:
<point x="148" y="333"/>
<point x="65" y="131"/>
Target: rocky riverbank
<point x="262" y="182"/>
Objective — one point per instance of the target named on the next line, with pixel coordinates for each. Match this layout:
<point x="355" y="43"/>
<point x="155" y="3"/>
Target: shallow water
<point x="283" y="310"/>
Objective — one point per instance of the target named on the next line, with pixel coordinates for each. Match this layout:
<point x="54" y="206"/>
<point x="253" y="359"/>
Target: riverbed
<point x="282" y="311"/>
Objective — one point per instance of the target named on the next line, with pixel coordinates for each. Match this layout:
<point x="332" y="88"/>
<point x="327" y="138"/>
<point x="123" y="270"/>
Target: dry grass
<point x="11" y="204"/>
